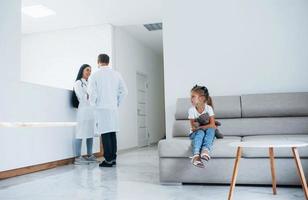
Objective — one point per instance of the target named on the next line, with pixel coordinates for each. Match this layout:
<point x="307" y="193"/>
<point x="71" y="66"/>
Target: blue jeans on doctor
<point x="202" y="140"/>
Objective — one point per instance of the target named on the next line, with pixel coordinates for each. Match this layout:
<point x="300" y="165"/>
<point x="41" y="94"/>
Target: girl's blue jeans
<point x="202" y="140"/>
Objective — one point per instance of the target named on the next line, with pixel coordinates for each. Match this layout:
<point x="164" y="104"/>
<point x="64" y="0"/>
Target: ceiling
<point x="151" y="39"/>
<point x="130" y="14"/>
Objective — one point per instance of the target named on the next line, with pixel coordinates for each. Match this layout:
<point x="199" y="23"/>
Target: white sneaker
<point x="81" y="161"/>
<point x="91" y="159"/>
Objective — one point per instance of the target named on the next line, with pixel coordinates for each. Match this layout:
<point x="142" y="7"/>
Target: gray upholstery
<point x="181" y="147"/>
<point x="251" y="126"/>
<point x="227" y="106"/>
<point x="275" y="105"/>
<point x="224" y="107"/>
<point x="281" y="116"/>
<point x="219" y="170"/>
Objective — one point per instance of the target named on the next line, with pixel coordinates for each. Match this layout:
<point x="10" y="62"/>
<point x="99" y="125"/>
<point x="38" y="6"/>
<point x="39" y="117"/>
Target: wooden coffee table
<point x="270" y="145"/>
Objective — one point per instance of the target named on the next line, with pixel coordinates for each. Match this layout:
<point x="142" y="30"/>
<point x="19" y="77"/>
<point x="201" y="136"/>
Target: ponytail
<point x="210" y="102"/>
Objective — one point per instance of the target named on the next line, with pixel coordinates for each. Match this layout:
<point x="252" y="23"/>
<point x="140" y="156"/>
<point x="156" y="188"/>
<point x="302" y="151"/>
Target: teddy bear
<point x="204" y="119"/>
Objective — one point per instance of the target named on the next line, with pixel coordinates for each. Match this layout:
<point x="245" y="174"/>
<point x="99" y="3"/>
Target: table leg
<point x="300" y="171"/>
<point x="235" y="171"/>
<point x="272" y="162"/>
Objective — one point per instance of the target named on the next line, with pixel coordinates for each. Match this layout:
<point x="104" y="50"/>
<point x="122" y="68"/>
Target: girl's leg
<point x="197" y="140"/>
<point x="208" y="139"/>
<point x="89" y="146"/>
<point x="78" y="143"/>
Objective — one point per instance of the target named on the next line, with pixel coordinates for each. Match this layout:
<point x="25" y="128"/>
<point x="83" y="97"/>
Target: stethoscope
<point x="83" y="84"/>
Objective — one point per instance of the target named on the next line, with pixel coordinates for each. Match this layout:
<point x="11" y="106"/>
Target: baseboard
<point x="53" y="164"/>
<point x="39" y="167"/>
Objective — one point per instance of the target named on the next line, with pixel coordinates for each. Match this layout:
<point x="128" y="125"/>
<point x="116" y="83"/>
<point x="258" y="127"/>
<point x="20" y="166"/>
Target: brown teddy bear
<point x="204" y="119"/>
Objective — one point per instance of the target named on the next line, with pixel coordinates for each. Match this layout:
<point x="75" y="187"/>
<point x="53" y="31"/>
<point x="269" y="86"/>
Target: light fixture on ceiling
<point x="154" y="27"/>
<point x="37" y="11"/>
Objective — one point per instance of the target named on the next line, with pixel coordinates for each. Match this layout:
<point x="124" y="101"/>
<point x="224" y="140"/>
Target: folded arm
<point x="92" y="91"/>
<point x="122" y="90"/>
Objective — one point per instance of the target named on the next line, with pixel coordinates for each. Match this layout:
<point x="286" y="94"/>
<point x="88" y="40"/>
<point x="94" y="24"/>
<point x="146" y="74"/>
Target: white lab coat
<point x="107" y="90"/>
<point x="85" y="115"/>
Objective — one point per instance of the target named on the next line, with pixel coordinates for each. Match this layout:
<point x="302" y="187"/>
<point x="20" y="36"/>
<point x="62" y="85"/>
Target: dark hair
<point x="103" y="58"/>
<point x="81" y="69"/>
<point x="203" y="91"/>
<point x="74" y="98"/>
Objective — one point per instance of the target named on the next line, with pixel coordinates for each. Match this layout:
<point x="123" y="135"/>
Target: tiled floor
<point x="135" y="177"/>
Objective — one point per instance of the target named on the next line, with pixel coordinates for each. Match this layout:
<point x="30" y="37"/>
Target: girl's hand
<point x="213" y="126"/>
<point x="208" y="126"/>
<point x="193" y="127"/>
<point x="195" y="124"/>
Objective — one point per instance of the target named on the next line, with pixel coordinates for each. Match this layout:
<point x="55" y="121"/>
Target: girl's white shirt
<point x="194" y="114"/>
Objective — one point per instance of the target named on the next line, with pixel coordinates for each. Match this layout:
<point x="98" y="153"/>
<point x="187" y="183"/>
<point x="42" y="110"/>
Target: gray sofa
<point x="277" y="116"/>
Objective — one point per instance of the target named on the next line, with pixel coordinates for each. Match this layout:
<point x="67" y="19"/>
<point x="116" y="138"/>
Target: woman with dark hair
<point x="85" y="117"/>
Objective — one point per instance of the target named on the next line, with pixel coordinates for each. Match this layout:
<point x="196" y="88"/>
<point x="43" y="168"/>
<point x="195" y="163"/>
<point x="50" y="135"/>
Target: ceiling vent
<point x="154" y="27"/>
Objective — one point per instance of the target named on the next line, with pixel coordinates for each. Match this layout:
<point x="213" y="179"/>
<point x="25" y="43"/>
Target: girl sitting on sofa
<point x="202" y="136"/>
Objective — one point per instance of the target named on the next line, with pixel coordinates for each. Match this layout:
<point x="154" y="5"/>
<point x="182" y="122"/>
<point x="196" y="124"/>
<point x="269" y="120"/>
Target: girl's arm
<point x="210" y="125"/>
<point x="192" y="125"/>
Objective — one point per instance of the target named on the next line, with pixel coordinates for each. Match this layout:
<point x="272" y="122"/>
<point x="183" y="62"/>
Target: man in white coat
<point x="106" y="92"/>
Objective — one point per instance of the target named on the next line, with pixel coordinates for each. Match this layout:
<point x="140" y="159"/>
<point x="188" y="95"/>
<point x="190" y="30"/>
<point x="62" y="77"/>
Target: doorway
<point x="142" y="87"/>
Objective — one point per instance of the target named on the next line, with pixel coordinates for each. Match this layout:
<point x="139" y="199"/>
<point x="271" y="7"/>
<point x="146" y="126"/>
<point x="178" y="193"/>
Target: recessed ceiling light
<point x="37" y="11"/>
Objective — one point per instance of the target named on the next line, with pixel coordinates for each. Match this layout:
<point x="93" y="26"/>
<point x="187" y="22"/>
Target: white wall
<point x="22" y="101"/>
<point x="27" y="102"/>
<point x="53" y="58"/>
<point x="234" y="47"/>
<point x="132" y="57"/>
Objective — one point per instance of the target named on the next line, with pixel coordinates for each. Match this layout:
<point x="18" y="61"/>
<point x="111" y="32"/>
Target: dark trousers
<point x="109" y="141"/>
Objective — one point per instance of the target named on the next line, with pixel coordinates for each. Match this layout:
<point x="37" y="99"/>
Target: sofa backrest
<point x="275" y="105"/>
<point x="224" y="107"/>
<point x="253" y="114"/>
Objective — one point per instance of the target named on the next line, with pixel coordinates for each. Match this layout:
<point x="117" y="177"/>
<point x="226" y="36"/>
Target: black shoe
<point x="105" y="164"/>
<point x="114" y="162"/>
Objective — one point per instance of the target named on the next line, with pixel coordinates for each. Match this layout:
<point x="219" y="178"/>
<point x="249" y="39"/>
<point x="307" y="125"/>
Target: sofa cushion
<point x="231" y="127"/>
<point x="181" y="147"/>
<point x="275" y="104"/>
<point x="224" y="107"/>
<point x="278" y="152"/>
<point x="252" y="126"/>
